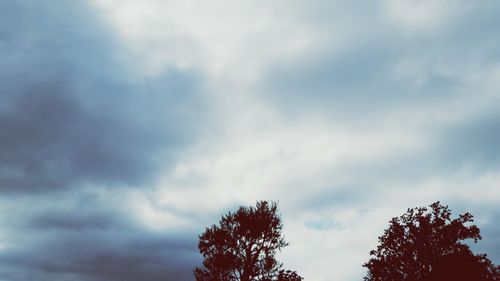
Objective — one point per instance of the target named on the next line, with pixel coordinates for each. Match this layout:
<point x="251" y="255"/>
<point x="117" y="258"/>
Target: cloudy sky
<point x="127" y="127"/>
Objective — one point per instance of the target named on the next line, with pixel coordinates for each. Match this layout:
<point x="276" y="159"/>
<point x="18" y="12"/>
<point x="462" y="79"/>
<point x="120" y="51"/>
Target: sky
<point x="128" y="127"/>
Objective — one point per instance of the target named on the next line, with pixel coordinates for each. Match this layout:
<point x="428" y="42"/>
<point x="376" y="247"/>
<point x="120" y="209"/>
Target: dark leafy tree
<point x="243" y="247"/>
<point x="425" y="240"/>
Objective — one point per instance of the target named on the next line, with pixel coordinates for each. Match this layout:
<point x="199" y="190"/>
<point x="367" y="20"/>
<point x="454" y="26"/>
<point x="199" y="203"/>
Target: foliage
<point x="419" y="239"/>
<point x="288" y="275"/>
<point x="463" y="266"/>
<point x="243" y="247"/>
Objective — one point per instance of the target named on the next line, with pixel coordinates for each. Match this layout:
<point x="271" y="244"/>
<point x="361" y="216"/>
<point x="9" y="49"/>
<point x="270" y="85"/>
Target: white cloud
<point x="227" y="39"/>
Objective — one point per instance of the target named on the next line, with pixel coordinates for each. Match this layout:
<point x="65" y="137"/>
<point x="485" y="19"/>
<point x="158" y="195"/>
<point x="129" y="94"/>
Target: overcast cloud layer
<point x="130" y="126"/>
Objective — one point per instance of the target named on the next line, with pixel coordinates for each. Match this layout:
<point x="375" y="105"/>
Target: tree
<point x="422" y="241"/>
<point x="463" y="266"/>
<point x="243" y="247"/>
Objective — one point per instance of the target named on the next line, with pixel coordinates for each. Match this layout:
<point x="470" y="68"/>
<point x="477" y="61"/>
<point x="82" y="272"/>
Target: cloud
<point x="132" y="126"/>
<point x="401" y="68"/>
<point x="473" y="142"/>
<point x="72" y="114"/>
<point x="88" y="250"/>
<point x="79" y="120"/>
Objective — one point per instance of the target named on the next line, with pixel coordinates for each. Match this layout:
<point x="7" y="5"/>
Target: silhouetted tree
<point x="243" y="247"/>
<point x="425" y="240"/>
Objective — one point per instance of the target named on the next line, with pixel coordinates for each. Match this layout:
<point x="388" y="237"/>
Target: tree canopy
<point x="427" y="244"/>
<point x="243" y="247"/>
<point x="463" y="266"/>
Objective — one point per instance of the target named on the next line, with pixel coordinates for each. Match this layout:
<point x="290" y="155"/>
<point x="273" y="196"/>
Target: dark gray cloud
<point x="69" y="113"/>
<point x="74" y="115"/>
<point x="97" y="246"/>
